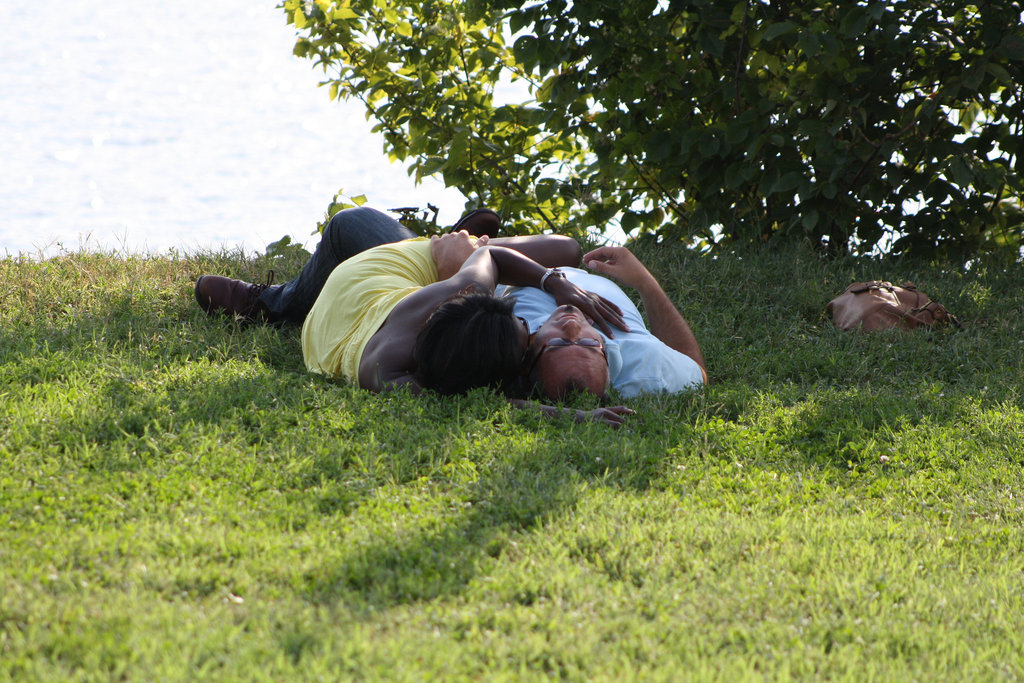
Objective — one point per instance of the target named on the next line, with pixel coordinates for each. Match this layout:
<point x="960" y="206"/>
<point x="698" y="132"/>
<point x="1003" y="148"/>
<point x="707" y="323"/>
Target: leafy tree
<point x="857" y="124"/>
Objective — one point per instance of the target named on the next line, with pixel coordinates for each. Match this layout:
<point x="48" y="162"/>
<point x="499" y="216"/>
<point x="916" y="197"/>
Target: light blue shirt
<point x="638" y="362"/>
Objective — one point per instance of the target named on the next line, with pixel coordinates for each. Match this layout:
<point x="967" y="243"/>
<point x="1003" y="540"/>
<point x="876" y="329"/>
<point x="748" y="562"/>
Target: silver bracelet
<point x="548" y="273"/>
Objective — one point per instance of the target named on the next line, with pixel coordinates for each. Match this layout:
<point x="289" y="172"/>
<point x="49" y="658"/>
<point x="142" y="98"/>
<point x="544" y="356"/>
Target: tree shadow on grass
<point x="424" y="563"/>
<point x="536" y="478"/>
<point x="793" y="429"/>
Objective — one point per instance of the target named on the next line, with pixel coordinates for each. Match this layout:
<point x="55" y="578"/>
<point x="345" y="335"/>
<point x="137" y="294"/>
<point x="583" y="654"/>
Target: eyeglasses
<point x="585" y="341"/>
<point x="556" y="342"/>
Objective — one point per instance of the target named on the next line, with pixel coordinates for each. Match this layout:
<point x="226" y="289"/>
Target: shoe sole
<point x="471" y="216"/>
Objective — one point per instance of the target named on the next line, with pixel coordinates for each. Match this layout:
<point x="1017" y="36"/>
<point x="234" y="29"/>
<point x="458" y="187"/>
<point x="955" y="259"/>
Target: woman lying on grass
<point x="388" y="316"/>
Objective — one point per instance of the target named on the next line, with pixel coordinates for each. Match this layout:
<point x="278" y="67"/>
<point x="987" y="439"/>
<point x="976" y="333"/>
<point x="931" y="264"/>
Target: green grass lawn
<point x="180" y="500"/>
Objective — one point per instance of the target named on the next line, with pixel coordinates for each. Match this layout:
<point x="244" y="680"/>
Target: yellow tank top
<point x="355" y="301"/>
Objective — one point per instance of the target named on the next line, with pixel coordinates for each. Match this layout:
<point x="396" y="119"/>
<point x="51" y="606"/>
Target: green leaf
<point x="518" y="21"/>
<point x="810" y="219"/>
<point x="962" y="174"/>
<point x="709" y="144"/>
<point x="736" y="132"/>
<point x="999" y="72"/>
<point x="629" y="222"/>
<point x="735" y="174"/>
<point x="854" y="22"/>
<point x="788" y="182"/>
<point x="545" y="189"/>
<point x="525" y="50"/>
<point x="780" y="29"/>
<point x="431" y="165"/>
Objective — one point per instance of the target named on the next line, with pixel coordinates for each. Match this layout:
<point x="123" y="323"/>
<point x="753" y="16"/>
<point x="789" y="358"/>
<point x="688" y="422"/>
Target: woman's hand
<point x="451" y="250"/>
<point x="597" y="308"/>
<point x="611" y="416"/>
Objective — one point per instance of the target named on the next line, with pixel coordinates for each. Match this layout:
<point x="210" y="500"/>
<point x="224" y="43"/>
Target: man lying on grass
<point x="567" y="352"/>
<point x="420" y="313"/>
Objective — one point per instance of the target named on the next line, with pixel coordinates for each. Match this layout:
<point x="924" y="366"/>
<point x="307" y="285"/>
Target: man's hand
<point x="667" y="323"/>
<point x="451" y="250"/>
<point x="620" y="263"/>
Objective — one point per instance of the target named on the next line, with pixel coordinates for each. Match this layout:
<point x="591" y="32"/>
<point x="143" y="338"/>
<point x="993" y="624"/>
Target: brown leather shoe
<point x="236" y="298"/>
<point x="479" y="223"/>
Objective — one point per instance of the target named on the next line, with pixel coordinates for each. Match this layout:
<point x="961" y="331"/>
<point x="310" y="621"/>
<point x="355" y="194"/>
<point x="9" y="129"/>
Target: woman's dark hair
<point x="470" y="341"/>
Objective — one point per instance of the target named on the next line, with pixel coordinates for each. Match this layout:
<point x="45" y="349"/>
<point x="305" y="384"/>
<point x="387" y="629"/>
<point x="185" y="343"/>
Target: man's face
<point x="567" y="352"/>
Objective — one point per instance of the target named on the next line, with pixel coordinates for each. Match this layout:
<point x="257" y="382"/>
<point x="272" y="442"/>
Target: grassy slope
<point x="178" y="498"/>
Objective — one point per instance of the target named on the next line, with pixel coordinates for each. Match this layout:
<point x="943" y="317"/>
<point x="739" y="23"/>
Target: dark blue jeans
<point x="350" y="232"/>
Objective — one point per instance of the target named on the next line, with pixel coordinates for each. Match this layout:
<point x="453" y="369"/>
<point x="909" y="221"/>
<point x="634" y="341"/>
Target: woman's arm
<point x="611" y="415"/>
<point x="509" y="266"/>
<point x="452" y="249"/>
<point x="550" y="251"/>
<point x="515" y="268"/>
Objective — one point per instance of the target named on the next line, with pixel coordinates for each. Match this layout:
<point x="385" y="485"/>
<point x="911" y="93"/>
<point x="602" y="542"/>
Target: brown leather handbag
<point x="877" y="305"/>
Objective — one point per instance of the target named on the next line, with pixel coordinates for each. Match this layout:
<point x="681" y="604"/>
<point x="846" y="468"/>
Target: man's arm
<point x="667" y="323"/>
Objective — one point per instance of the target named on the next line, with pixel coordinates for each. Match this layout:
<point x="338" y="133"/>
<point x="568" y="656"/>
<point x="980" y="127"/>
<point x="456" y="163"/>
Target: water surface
<point x="142" y="126"/>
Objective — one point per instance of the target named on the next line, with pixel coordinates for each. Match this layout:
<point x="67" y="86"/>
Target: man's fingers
<point x="596" y="316"/>
<point x="600" y="253"/>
